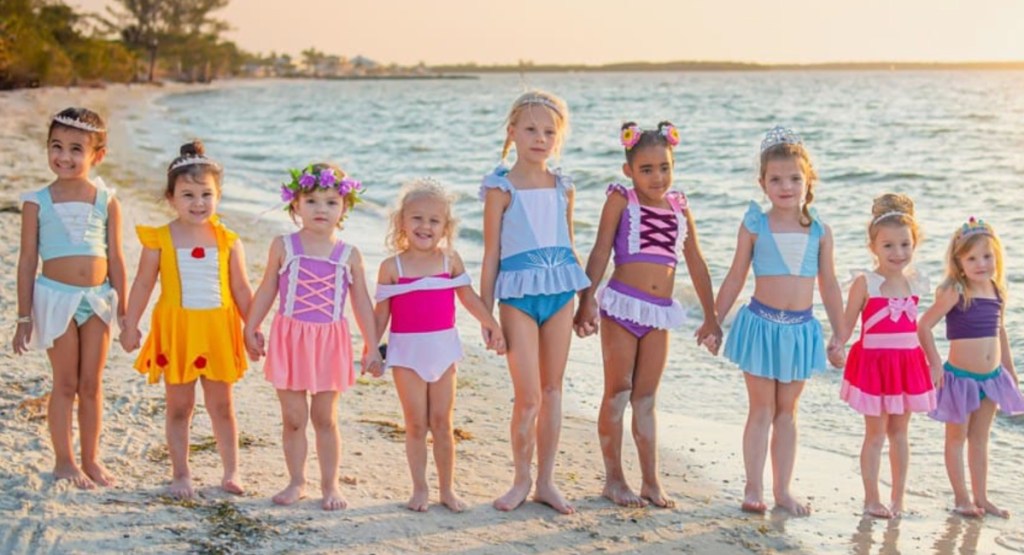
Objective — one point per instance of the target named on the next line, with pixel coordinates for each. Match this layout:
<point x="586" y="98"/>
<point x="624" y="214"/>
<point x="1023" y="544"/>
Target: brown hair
<point x="84" y="115"/>
<point x="797" y="151"/>
<point x="397" y="240"/>
<point x="194" y="172"/>
<point x="648" y="138"/>
<point x="898" y="210"/>
<point x="959" y="246"/>
<point x="558" y="108"/>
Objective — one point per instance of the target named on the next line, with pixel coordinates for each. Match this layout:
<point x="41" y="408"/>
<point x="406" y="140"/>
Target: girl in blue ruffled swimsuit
<point x="531" y="268"/>
<point x="775" y="339"/>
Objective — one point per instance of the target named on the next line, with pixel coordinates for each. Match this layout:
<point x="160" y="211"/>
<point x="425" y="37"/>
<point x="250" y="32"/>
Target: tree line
<point x="48" y="42"/>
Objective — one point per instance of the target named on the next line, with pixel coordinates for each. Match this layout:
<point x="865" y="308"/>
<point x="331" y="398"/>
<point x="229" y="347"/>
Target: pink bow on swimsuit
<point x="898" y="307"/>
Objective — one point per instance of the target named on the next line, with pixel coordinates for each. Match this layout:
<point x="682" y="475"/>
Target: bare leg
<point x="412" y="392"/>
<point x="978" y="429"/>
<point x="181" y="400"/>
<point x="95" y="341"/>
<point x="64" y="361"/>
<point x="221" y="408"/>
<point x="441" y="395"/>
<point x="618" y="348"/>
<point x="956" y="436"/>
<point x="870" y="461"/>
<point x="899" y="458"/>
<point x="761" y="411"/>
<point x="294" y="415"/>
<point x="650" y="364"/>
<point x="523" y="339"/>
<point x="324" y="413"/>
<point x="555" y="336"/>
<point x="783" y="447"/>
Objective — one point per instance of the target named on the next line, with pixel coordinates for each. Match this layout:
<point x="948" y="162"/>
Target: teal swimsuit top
<point x="783" y="254"/>
<point x="71" y="228"/>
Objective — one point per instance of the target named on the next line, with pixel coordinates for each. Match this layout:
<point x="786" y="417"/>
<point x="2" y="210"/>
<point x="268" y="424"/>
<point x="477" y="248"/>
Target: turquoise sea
<point x="954" y="141"/>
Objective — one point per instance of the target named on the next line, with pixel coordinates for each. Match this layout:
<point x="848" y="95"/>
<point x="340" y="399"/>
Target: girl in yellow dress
<point x="196" y="330"/>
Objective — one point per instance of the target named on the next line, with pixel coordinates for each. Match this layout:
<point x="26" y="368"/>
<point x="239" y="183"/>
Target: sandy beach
<point x="38" y="515"/>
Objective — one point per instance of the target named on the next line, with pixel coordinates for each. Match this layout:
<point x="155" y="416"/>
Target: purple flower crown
<point x="308" y="179"/>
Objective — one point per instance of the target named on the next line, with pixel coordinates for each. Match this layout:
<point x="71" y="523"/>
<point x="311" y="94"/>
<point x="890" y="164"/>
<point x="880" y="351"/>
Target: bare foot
<point x="452" y="501"/>
<point x="333" y="500"/>
<point x="753" y="503"/>
<point x="549" y="495"/>
<point x="991" y="509"/>
<point x="793" y="506"/>
<point x="74" y="474"/>
<point x="419" y="501"/>
<point x="290" y="494"/>
<point x="514" y="497"/>
<point x="896" y="509"/>
<point x="620" y="494"/>
<point x="231" y="484"/>
<point x="99" y="474"/>
<point x="181" y="488"/>
<point x="969" y="510"/>
<point x="877" y="510"/>
<point x="657" y="496"/>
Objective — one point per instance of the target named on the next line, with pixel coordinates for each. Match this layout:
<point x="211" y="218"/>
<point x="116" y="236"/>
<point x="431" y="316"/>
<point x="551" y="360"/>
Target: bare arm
<point x="570" y="206"/>
<point x="28" y="264"/>
<point x="597" y="262"/>
<point x="495" y="203"/>
<point x="238" y="278"/>
<point x="493" y="336"/>
<point x="116" y="271"/>
<point x="1006" y="357"/>
<point x="854" y="306"/>
<point x="737" y="276"/>
<point x="263" y="300"/>
<point x="362" y="308"/>
<point x="828" y="286"/>
<point x="701" y="278"/>
<point x="945" y="299"/>
<point x="138" y="298"/>
<point x="387" y="274"/>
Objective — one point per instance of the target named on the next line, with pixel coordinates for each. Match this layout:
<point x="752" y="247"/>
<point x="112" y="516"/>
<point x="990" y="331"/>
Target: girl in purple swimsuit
<point x="416" y="290"/>
<point x="646" y="227"/>
<point x="978" y="377"/>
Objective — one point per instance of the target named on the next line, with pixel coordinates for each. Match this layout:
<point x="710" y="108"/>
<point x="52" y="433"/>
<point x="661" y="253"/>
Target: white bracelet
<point x="24" y="319"/>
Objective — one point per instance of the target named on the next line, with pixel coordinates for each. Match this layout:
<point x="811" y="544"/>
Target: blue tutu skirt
<point x="782" y="345"/>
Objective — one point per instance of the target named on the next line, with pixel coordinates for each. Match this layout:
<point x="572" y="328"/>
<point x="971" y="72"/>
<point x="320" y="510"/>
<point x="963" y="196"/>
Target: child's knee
<point x="220" y="409"/>
<point x="416" y="429"/>
<point x="323" y="421"/>
<point x="874" y="440"/>
<point x="65" y="388"/>
<point x="642" y="403"/>
<point x="89" y="387"/>
<point x="528" y="404"/>
<point x="181" y="410"/>
<point x="551" y="393"/>
<point x="440" y="424"/>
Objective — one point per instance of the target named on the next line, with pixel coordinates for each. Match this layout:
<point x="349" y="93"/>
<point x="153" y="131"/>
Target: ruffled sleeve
<point x="102" y="185"/>
<point x="31" y="196"/>
<point x="148" y="236"/>
<point x="678" y="199"/>
<point x="617" y="188"/>
<point x="817" y="224"/>
<point x="920" y="285"/>
<point x="225" y="237"/>
<point x="753" y="218"/>
<point x="497" y="179"/>
<point x="563" y="182"/>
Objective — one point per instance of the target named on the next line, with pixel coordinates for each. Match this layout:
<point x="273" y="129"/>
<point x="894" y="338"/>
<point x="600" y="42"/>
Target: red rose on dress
<point x="161" y="360"/>
<point x="200" y="362"/>
<point x="199" y="252"/>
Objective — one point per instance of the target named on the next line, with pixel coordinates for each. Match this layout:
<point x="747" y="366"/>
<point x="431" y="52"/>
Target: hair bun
<point x="194" y="148"/>
<point x="892" y="202"/>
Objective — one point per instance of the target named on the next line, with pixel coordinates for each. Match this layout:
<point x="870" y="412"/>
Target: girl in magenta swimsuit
<point x="416" y="291"/>
<point x="646" y="226"/>
<point x="978" y="376"/>
<point x="309" y="353"/>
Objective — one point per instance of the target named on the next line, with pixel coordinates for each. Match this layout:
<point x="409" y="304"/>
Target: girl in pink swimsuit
<point x="310" y="349"/>
<point x="416" y="291"/>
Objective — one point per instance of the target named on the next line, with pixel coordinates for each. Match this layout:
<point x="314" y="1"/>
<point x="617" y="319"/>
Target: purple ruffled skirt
<point x="962" y="392"/>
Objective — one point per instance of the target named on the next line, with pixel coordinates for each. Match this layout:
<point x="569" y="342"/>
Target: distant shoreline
<point x="726" y="66"/>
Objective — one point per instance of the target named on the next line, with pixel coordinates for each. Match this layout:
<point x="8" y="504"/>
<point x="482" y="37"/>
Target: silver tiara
<point x="889" y="215"/>
<point x="779" y="135"/>
<point x="78" y="124"/>
<point x="534" y="99"/>
<point x="193" y="161"/>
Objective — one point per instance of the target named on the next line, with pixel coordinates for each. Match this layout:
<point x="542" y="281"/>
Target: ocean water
<point x="954" y="141"/>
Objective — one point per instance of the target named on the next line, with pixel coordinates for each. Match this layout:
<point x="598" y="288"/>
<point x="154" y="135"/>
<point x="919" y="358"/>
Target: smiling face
<point x="320" y="210"/>
<point x="71" y="153"/>
<point x="424" y="222"/>
<point x="195" y="201"/>
<point x="784" y="182"/>
<point x="650" y="168"/>
<point x="536" y="132"/>
<point x="893" y="247"/>
<point x="978" y="261"/>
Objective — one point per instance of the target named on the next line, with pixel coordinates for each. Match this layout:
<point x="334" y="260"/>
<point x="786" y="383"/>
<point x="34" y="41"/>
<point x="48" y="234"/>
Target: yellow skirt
<point x="184" y="344"/>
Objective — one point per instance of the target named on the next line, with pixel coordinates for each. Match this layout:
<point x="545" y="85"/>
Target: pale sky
<point x="604" y="31"/>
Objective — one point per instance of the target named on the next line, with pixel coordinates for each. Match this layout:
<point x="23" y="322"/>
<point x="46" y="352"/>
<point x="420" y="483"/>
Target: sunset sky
<point x="603" y="31"/>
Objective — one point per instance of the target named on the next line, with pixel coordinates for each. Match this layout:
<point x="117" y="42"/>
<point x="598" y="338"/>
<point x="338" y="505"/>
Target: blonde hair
<point x="558" y="108"/>
<point x="960" y="245"/>
<point x="797" y="151"/>
<point x="424" y="188"/>
<point x="893" y="210"/>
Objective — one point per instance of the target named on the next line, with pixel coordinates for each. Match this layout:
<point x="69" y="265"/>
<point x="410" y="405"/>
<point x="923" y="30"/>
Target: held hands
<point x="130" y="338"/>
<point x="937" y="374"/>
<point x="836" y="352"/>
<point x="588" y="317"/>
<point x="494" y="338"/>
<point x="255" y="344"/>
<point x="371" y="362"/>
<point x="709" y="335"/>
<point x="21" y="336"/>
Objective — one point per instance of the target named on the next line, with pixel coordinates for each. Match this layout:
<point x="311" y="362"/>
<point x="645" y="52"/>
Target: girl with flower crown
<point x="74" y="225"/>
<point x="309" y="351"/>
<point x="646" y="226"/>
<point x="530" y="266"/>
<point x="775" y="339"/>
<point x="196" y="327"/>
<point x="978" y="376"/>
